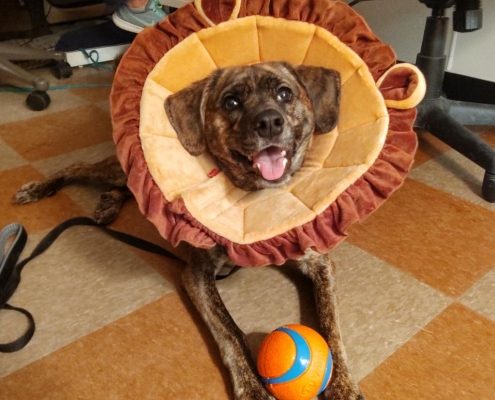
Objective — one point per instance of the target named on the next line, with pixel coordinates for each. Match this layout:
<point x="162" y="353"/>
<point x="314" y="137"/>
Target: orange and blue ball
<point x="295" y="363"/>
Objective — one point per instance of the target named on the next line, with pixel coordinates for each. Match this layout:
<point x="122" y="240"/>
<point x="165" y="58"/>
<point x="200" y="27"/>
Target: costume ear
<point x="185" y="111"/>
<point x="323" y="88"/>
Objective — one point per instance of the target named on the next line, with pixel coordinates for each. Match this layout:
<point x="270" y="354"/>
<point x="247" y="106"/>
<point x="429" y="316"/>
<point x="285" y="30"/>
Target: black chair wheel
<point x="62" y="69"/>
<point x="38" y="100"/>
<point x="488" y="187"/>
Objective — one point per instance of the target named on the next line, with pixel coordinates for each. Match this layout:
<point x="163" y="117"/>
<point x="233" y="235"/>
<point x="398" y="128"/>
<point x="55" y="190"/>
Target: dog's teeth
<point x="283" y="153"/>
<point x="257" y="165"/>
<point x="285" y="161"/>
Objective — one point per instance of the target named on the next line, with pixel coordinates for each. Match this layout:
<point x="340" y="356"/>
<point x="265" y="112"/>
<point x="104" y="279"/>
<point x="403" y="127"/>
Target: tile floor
<point x="416" y="281"/>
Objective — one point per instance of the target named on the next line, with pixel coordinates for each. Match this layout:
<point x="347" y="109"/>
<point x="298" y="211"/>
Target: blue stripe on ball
<point x="328" y="373"/>
<point x="301" y="362"/>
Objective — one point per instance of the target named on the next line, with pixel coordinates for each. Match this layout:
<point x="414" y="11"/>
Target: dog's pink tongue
<point x="271" y="163"/>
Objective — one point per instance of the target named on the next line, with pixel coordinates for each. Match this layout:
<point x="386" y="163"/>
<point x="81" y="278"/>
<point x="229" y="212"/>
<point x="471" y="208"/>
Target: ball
<point x="295" y="363"/>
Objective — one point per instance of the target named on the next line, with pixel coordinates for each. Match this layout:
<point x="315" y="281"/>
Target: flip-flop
<point x="13" y="238"/>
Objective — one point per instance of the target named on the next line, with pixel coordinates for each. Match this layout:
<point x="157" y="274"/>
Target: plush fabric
<point x="347" y="173"/>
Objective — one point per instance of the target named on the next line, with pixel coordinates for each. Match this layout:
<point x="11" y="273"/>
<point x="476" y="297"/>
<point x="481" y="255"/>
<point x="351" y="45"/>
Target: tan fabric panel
<point x="174" y="170"/>
<point x="153" y="120"/>
<point x="321" y="147"/>
<point x="322" y="187"/>
<point x="357" y="145"/>
<point x="243" y="50"/>
<point x="361" y="102"/>
<point x="278" y="212"/>
<point x="337" y="56"/>
<point x="277" y="43"/>
<point x="170" y="71"/>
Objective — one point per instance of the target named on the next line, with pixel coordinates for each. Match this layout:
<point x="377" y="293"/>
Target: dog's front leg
<point x="199" y="281"/>
<point x="107" y="172"/>
<point x="321" y="270"/>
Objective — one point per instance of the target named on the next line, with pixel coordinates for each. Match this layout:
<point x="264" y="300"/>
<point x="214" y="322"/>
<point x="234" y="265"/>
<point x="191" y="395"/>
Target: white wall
<point x="401" y="23"/>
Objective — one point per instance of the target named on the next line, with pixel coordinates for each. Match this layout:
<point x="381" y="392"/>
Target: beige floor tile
<point x="454" y="174"/>
<point x="157" y="352"/>
<point x="14" y="105"/>
<point x="9" y="157"/>
<point x="83" y="282"/>
<point x="481" y="297"/>
<point x="262" y="299"/>
<point x="452" y="358"/>
<point x="58" y="133"/>
<point x="380" y="307"/>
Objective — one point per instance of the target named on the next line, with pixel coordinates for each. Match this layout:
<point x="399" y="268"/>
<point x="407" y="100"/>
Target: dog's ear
<point x="323" y="88"/>
<point x="185" y="111"/>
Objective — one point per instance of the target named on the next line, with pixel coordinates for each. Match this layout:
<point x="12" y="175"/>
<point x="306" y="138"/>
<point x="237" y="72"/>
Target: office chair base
<point x="488" y="187"/>
<point x="61" y="69"/>
<point x="437" y="116"/>
<point x="38" y="100"/>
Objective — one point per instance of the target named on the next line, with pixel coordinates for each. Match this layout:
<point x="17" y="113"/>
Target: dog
<point x="257" y="122"/>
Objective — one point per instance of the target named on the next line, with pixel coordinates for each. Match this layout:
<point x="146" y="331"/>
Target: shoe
<point x="134" y="20"/>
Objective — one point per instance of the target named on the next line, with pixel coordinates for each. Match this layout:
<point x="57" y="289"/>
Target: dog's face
<point x="256" y="121"/>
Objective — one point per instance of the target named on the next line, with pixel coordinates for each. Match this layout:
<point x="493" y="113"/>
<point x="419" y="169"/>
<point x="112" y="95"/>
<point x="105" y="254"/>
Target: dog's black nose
<point x="269" y="123"/>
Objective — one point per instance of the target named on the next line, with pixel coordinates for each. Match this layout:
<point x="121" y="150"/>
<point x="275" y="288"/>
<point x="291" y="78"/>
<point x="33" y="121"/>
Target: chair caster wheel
<point x="62" y="69"/>
<point x="38" y="100"/>
<point x="488" y="187"/>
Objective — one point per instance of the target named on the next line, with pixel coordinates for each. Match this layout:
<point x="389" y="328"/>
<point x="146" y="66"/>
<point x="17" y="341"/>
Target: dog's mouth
<point x="271" y="162"/>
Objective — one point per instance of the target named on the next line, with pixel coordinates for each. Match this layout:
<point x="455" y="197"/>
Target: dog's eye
<point x="231" y="103"/>
<point x="284" y="94"/>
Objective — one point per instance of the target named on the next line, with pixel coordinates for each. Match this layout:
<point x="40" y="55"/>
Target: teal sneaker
<point x="135" y="20"/>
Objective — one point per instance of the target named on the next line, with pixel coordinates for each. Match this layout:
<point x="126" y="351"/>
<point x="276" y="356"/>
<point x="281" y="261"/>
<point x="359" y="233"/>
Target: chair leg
<point x="434" y="117"/>
<point x="468" y="113"/>
<point x="12" y="52"/>
<point x="10" y="68"/>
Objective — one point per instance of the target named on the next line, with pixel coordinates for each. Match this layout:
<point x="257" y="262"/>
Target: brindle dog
<point x="257" y="121"/>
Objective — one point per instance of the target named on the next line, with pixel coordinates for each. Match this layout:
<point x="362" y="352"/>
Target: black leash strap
<point x="13" y="239"/>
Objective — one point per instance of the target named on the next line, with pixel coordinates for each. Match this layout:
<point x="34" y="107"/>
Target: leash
<point x="13" y="239"/>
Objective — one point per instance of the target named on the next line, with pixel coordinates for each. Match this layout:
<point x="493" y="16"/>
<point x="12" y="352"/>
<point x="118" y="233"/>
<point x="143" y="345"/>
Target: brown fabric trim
<point x="399" y="84"/>
<point x="218" y="11"/>
<point x="173" y="220"/>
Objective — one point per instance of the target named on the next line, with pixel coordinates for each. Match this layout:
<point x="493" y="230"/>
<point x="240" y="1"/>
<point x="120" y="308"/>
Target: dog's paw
<point x="108" y="208"/>
<point x="32" y="191"/>
<point x="253" y="390"/>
